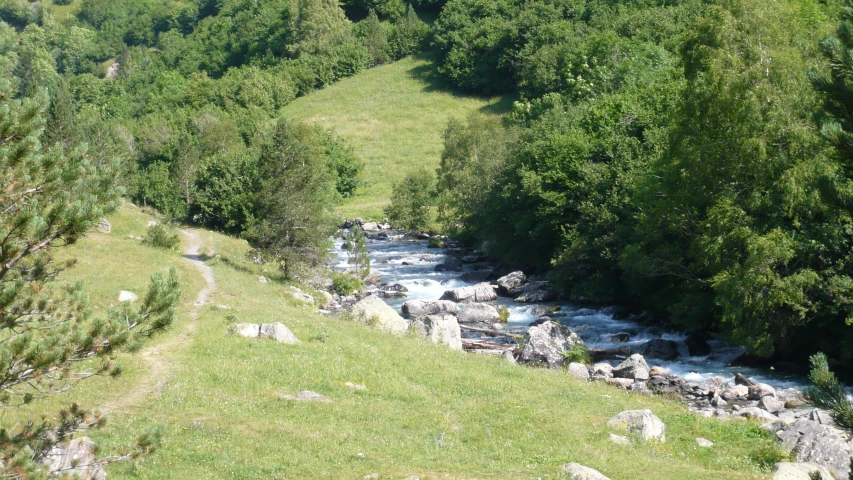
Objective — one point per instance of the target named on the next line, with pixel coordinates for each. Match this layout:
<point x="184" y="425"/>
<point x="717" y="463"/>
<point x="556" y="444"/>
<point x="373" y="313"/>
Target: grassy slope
<point x="428" y="411"/>
<point x="394" y="116"/>
<point x="61" y="12"/>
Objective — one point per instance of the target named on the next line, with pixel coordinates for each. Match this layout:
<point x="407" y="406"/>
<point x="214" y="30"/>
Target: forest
<point x="689" y="159"/>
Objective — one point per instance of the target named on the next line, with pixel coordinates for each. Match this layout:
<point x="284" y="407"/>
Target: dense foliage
<point x="664" y="155"/>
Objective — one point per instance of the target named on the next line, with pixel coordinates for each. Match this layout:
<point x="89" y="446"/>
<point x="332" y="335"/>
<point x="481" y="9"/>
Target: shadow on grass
<point x="433" y="81"/>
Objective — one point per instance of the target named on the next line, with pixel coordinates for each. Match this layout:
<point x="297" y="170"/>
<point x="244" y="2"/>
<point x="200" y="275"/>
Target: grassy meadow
<point x="394" y="116"/>
<point x="427" y="411"/>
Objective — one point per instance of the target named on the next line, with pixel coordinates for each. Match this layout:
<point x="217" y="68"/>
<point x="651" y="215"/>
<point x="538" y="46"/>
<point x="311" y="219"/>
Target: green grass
<point x="61" y="12"/>
<point x="394" y="116"/>
<point x="427" y="411"/>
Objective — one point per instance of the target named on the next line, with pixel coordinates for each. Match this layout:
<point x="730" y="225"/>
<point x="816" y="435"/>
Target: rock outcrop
<point x="373" y="311"/>
<point x="809" y="441"/>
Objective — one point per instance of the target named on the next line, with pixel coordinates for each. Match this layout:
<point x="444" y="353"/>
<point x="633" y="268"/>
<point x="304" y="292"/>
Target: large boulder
<point x="576" y="471"/>
<point x="509" y="284"/>
<point x="422" y="308"/>
<point x="634" y="367"/>
<point x="535" y="292"/>
<point x="642" y="422"/>
<point x="76" y="459"/>
<point x="482" y="292"/>
<point x="478" y="313"/>
<point x="442" y="329"/>
<point x="660" y="348"/>
<point x="278" y="332"/>
<point x="373" y="311"/>
<point x="809" y="441"/>
<point x="799" y="471"/>
<point x="761" y="390"/>
<point x="545" y="344"/>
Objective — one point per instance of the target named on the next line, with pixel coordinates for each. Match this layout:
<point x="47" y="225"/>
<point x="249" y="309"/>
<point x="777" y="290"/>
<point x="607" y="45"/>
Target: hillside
<point x="394" y="116"/>
<point x="215" y="399"/>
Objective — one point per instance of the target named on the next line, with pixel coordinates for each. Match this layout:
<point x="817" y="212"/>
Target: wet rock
<point x="278" y="332"/>
<point x="634" y="367"/>
<point x="444" y="329"/>
<point x="482" y="292"/>
<point x="535" y="292"/>
<point x="578" y="370"/>
<point x="697" y="345"/>
<point x="576" y="471"/>
<point x="740" y="379"/>
<point x="476" y="276"/>
<point x="546" y="343"/>
<point x="422" y="308"/>
<point x="373" y="311"/>
<point x="508" y="284"/>
<point x="799" y="471"/>
<point x="620" y="337"/>
<point x="809" y="441"/>
<point x="452" y="264"/>
<point x="660" y="348"/>
<point x="478" y="313"/>
<point x="641" y="422"/>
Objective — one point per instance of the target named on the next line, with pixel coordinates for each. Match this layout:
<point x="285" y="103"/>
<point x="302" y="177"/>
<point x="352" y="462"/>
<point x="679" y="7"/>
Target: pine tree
<point x="50" y="339"/>
<point x="826" y="392"/>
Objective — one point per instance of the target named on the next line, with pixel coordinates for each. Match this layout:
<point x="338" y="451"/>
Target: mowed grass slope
<point x="394" y="116"/>
<point x="427" y="411"/>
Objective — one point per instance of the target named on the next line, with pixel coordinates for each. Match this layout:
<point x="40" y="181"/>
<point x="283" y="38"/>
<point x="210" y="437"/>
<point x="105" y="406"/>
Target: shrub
<point x="412" y="200"/>
<point x="504" y="314"/>
<point x="161" y="237"/>
<point x="579" y="354"/>
<point x="344" y="284"/>
<point x="434" y="242"/>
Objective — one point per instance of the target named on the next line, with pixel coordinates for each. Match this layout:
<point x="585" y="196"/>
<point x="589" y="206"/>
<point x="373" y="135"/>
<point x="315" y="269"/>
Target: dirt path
<point x="159" y="365"/>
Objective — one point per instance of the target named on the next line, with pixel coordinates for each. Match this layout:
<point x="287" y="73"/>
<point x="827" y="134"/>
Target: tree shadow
<point x="427" y="73"/>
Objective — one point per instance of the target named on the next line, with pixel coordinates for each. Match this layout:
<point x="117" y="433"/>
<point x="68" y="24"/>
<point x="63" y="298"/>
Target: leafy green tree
<point x="357" y="255"/>
<point x="50" y="199"/>
<point x="409" y="36"/>
<point x="319" y="26"/>
<point x="412" y="201"/>
<point x="373" y="36"/>
<point x="344" y="163"/>
<point x="292" y="220"/>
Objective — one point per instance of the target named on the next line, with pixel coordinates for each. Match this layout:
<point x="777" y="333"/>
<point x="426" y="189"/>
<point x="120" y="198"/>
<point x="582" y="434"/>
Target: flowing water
<point x="424" y="283"/>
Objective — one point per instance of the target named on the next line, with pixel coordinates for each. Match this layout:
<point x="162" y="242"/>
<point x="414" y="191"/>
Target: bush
<point x="434" y="242"/>
<point x="504" y="314"/>
<point x="344" y="284"/>
<point x="161" y="237"/>
<point x="411" y="201"/>
<point x="578" y="354"/>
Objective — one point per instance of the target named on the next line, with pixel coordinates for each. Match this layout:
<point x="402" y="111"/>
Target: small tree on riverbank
<point x="357" y="253"/>
<point x="828" y="393"/>
<point x="412" y="200"/>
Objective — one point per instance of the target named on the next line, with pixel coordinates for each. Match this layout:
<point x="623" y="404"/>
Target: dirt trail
<point x="156" y="357"/>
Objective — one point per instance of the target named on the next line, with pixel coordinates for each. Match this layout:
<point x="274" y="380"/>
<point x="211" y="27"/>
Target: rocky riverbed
<point x="457" y="297"/>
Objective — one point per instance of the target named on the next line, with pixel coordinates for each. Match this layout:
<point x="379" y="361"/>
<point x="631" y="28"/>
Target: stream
<point x="418" y="275"/>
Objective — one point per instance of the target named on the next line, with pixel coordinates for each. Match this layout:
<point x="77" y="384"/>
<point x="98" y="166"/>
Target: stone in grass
<point x="278" y="332"/>
<point x="634" y="367"/>
<point x="373" y="311"/>
<point x="799" y="471"/>
<point x="355" y="386"/>
<point x="576" y="471"/>
<point x="307" y="396"/>
<point x="619" y="439"/>
<point x="263" y="279"/>
<point x="642" y="422"/>
<point x="248" y="329"/>
<point x="76" y="459"/>
<point x="125" y="296"/>
<point x="443" y="329"/>
<point x="704" y="442"/>
<point x="104" y="226"/>
<point x="578" y="370"/>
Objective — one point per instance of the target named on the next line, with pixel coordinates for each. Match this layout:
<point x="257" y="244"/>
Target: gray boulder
<point x="75" y="459"/>
<point x="477" y="276"/>
<point x="760" y="390"/>
<point x="660" y="348"/>
<point x="301" y="296"/>
<point x="578" y="370"/>
<point x="634" y="367"/>
<point x="422" y="308"/>
<point x="771" y="404"/>
<point x="809" y="441"/>
<point x="373" y="311"/>
<point x="104" y="226"/>
<point x="535" y="292"/>
<point x="756" y="413"/>
<point x="546" y="342"/>
<point x="278" y="332"/>
<point x="799" y="471"/>
<point x="508" y="284"/>
<point x="126" y="296"/>
<point x="443" y="329"/>
<point x="576" y="471"/>
<point x="478" y="313"/>
<point x="482" y="292"/>
<point x="248" y="329"/>
<point x="642" y="422"/>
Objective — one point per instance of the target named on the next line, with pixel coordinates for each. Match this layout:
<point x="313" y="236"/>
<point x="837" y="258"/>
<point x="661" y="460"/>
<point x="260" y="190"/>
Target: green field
<point x="394" y="116"/>
<point x="215" y="399"/>
<point x="60" y="12"/>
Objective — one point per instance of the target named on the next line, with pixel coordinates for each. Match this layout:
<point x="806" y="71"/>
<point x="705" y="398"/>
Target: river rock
<point x="756" y="413"/>
<point x="373" y="311"/>
<point x="620" y="337"/>
<point x="761" y="390"/>
<point x="697" y="345"/>
<point x="370" y="227"/>
<point x="576" y="471"/>
<point x="578" y="370"/>
<point x="799" y="471"/>
<point x="790" y="397"/>
<point x="634" y="368"/>
<point x="477" y="276"/>
<point x="770" y="404"/>
<point x="508" y="284"/>
<point x="546" y="342"/>
<point x="660" y="348"/>
<point x="75" y="459"/>
<point x="422" y="308"/>
<point x="478" y="313"/>
<point x="373" y="278"/>
<point x="248" y="329"/>
<point x="535" y="292"/>
<point x="452" y="264"/>
<point x="278" y="332"/>
<point x="740" y="379"/>
<point x="623" y="383"/>
<point x="809" y="441"/>
<point x="604" y="369"/>
<point x="482" y="292"/>
<point x="444" y="329"/>
<point x="642" y="422"/>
